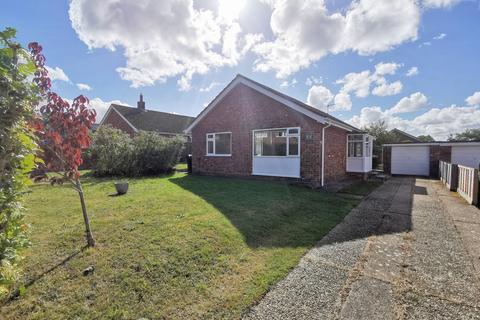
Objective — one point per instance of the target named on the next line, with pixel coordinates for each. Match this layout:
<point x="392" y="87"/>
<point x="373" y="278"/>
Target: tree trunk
<point x="89" y="235"/>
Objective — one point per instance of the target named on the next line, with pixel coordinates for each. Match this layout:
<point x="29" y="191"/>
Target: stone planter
<point x="121" y="186"/>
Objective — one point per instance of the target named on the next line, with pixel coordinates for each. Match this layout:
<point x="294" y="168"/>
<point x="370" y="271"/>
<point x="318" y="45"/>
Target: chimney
<point x="141" y="103"/>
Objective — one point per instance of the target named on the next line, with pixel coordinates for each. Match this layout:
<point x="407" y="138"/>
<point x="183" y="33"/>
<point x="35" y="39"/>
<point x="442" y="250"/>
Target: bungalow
<point x="250" y="129"/>
<point x="131" y="120"/>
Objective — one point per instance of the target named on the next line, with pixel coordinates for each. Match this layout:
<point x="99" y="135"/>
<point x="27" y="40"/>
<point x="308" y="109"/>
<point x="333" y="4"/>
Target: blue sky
<point x="180" y="54"/>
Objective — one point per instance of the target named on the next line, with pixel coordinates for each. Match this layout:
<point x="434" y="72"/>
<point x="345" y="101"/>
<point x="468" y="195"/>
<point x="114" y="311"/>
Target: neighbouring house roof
<point x="150" y="120"/>
<point x="403" y="136"/>
<point x="293" y="103"/>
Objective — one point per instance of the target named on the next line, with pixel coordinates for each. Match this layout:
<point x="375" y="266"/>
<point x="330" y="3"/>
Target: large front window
<point x="219" y="144"/>
<point x="277" y="142"/>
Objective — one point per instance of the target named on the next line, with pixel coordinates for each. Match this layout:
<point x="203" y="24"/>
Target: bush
<point x="18" y="98"/>
<point x="113" y="152"/>
<point x="155" y="154"/>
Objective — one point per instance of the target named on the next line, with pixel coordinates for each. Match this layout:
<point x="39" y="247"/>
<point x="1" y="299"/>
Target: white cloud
<point x="84" y="86"/>
<point x="319" y="97"/>
<point x="209" y="87"/>
<point x="439" y="3"/>
<point x="388" y="89"/>
<point x="440" y="36"/>
<point x="360" y="82"/>
<point x="287" y="83"/>
<point x="383" y="68"/>
<point x="102" y="106"/>
<point x="474" y="99"/>
<point x="57" y="74"/>
<point x="310" y="81"/>
<point x="423" y="44"/>
<point x="305" y="31"/>
<point x="162" y="39"/>
<point x="437" y="122"/>
<point x="412" y="103"/>
<point x="413" y="71"/>
<point x="342" y="102"/>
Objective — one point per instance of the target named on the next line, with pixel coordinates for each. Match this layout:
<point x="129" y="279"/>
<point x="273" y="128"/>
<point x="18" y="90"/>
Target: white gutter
<point x="323" y="151"/>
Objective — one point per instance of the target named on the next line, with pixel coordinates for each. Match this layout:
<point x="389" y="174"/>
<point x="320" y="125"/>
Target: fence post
<point x="453" y="177"/>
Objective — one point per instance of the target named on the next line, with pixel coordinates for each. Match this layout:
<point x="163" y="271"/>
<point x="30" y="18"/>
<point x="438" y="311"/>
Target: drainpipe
<point x="323" y="152"/>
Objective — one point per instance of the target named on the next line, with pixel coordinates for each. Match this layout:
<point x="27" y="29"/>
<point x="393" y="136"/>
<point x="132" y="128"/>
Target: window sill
<point x="218" y="155"/>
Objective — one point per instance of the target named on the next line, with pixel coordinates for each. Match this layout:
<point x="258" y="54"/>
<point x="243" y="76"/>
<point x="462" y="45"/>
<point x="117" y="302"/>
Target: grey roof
<point x="150" y="120"/>
<point x="408" y="135"/>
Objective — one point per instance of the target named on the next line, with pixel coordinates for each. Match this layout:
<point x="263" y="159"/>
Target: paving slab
<point x="308" y="292"/>
<point x="370" y="299"/>
<point x="421" y="307"/>
<point x="385" y="258"/>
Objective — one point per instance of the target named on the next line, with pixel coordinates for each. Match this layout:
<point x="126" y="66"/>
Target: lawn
<point x="361" y="188"/>
<point x="175" y="246"/>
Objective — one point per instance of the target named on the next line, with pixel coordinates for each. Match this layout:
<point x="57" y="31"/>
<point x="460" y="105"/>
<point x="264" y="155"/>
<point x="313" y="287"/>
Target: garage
<point x="468" y="156"/>
<point x="411" y="160"/>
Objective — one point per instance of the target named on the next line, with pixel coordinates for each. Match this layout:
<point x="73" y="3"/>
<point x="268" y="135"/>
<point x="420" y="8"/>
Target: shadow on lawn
<point x="270" y="214"/>
<point x="16" y="293"/>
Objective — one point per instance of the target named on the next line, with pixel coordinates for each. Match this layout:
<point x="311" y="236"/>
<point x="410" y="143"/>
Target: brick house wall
<point x="244" y="109"/>
<point x="335" y="154"/>
<point x="116" y="121"/>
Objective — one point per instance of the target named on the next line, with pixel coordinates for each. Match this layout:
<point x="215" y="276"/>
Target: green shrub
<point x="113" y="152"/>
<point x="155" y="154"/>
<point x="18" y="97"/>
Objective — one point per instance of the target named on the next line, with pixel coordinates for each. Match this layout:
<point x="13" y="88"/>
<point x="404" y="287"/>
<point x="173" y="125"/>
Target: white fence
<point x="449" y="175"/>
<point x="464" y="180"/>
<point x="468" y="184"/>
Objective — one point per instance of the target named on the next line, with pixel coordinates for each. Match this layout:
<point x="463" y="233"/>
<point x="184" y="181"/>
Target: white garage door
<point x="411" y="160"/>
<point x="466" y="155"/>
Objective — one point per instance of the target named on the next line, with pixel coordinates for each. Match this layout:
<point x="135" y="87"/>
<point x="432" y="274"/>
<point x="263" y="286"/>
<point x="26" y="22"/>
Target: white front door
<point x="411" y="160"/>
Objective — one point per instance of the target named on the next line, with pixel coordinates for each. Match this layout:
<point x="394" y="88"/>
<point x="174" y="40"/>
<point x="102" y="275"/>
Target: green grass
<point x="181" y="166"/>
<point x="177" y="247"/>
<point x="361" y="188"/>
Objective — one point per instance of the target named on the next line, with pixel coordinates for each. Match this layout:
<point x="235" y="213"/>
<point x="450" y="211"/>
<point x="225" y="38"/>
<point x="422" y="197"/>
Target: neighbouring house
<point x="131" y="120"/>
<point x="422" y="158"/>
<point x="399" y="136"/>
<point x="250" y="129"/>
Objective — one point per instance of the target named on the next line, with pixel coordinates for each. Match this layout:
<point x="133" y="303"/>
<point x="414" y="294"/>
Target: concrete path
<point x="410" y="250"/>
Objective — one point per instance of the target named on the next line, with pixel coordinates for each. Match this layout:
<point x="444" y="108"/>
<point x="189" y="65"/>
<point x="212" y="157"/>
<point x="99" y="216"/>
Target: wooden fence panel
<point x="468" y="184"/>
<point x="449" y="175"/>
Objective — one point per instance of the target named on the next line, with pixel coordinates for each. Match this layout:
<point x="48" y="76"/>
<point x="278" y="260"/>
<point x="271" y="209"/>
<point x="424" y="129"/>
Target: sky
<point x="411" y="63"/>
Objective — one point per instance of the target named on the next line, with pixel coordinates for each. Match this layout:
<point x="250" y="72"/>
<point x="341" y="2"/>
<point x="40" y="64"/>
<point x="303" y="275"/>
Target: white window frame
<point x="364" y="142"/>
<point x="288" y="135"/>
<point x="214" y="154"/>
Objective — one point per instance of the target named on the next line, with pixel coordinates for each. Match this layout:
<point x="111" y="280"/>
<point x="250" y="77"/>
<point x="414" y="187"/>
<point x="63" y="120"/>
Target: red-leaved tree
<point x="62" y="129"/>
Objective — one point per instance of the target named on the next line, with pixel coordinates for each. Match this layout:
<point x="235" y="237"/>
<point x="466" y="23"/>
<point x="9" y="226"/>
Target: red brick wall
<point x="244" y="110"/>
<point x="116" y="121"/>
<point x="335" y="154"/>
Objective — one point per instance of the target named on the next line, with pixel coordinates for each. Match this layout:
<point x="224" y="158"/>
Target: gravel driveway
<point x="410" y="250"/>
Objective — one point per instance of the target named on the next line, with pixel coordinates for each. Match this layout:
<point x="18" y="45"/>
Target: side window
<point x="219" y="144"/>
